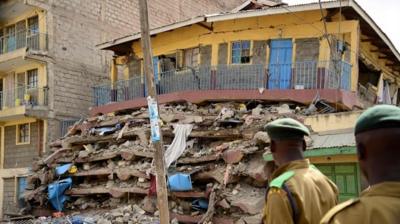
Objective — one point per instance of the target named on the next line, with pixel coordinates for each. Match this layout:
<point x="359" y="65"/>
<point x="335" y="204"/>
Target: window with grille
<point x="23" y="133"/>
<point x="33" y="25"/>
<point x="241" y="52"/>
<point x="10" y="38"/>
<point x="191" y="57"/>
<point x="32" y="78"/>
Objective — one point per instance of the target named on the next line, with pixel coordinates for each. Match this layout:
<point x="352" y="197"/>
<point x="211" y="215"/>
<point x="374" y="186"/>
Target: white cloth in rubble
<point x="178" y="145"/>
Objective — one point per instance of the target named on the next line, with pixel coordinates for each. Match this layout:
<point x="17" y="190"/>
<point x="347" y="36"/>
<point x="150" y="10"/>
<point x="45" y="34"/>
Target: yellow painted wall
<point x="29" y="65"/>
<point x="13" y="112"/>
<point x="27" y="14"/>
<point x="332" y="122"/>
<point x="23" y="120"/>
<point x="334" y="159"/>
<point x="297" y="25"/>
<point x="19" y="112"/>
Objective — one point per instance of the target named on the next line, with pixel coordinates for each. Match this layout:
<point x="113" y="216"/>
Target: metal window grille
<point x="241" y="52"/>
<point x="65" y="124"/>
<point x="32" y="78"/>
<point x="23" y="133"/>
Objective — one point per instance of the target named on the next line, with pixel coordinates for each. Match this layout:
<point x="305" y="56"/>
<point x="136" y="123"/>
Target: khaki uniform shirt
<point x="313" y="192"/>
<point x="378" y="204"/>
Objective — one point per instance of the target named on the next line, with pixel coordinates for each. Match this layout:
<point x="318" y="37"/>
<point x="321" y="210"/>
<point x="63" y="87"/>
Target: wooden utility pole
<point x="156" y="135"/>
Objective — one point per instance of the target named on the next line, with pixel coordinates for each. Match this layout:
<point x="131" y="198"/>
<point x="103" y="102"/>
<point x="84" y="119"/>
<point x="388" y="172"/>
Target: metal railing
<point x="23" y="39"/>
<point x="23" y="96"/>
<point x="65" y="124"/>
<point x="299" y="75"/>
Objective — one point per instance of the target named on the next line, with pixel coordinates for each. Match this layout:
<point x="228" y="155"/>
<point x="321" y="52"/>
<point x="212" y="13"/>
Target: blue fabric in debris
<point x="60" y="170"/>
<point x="180" y="182"/>
<point x="76" y="220"/>
<point x="56" y="193"/>
<point x="200" y="204"/>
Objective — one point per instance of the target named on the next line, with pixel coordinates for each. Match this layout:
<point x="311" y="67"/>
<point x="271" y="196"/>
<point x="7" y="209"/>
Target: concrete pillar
<point x="126" y="72"/>
<point x="113" y="73"/>
<point x="114" y="79"/>
<point x="214" y="54"/>
<point x="2" y="129"/>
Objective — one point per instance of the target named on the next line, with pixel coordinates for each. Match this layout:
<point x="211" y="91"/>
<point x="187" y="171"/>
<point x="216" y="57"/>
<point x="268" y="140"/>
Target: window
<point x="32" y="78"/>
<point x="191" y="57"/>
<point x="21" y="82"/>
<point x="24" y="33"/>
<point x="241" y="52"/>
<point x="23" y="133"/>
<point x="21" y="189"/>
<point x="21" y="34"/>
<point x="33" y="25"/>
<point x="10" y="38"/>
<point x="167" y="62"/>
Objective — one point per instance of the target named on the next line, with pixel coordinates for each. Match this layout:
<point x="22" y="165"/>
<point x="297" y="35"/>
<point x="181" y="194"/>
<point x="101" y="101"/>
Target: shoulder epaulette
<point x="339" y="208"/>
<point x="281" y="179"/>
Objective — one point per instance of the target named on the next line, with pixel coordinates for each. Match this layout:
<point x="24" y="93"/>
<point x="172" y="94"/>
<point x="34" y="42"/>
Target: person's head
<point x="287" y="140"/>
<point x="377" y="134"/>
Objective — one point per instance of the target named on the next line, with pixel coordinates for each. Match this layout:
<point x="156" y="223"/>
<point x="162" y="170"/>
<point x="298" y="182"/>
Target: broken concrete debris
<point x="218" y="176"/>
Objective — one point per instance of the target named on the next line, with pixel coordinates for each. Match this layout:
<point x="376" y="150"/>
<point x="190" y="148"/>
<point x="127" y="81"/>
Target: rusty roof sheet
<point x="333" y="140"/>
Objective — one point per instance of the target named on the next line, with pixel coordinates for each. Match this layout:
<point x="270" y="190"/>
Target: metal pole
<point x="162" y="195"/>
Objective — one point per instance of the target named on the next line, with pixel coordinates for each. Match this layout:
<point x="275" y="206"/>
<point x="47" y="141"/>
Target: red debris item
<point x="58" y="214"/>
<point x="153" y="185"/>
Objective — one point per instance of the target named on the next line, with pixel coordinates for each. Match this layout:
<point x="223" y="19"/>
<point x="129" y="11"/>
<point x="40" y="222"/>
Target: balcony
<point x="21" y="101"/>
<point x="236" y="82"/>
<point x="15" y="48"/>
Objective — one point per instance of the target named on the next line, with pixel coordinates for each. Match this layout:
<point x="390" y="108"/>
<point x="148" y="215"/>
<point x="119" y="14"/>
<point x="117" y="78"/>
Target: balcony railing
<point x="299" y="75"/>
<point x="24" y="96"/>
<point x="23" y="39"/>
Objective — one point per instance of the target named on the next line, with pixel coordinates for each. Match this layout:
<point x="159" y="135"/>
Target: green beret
<point x="286" y="128"/>
<point x="380" y="116"/>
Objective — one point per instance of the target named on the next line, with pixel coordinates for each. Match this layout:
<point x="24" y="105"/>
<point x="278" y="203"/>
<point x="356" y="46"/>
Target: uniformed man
<point x="298" y="193"/>
<point x="377" y="134"/>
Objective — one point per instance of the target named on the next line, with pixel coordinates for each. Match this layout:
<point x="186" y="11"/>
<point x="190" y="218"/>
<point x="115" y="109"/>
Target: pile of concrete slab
<point x="215" y="173"/>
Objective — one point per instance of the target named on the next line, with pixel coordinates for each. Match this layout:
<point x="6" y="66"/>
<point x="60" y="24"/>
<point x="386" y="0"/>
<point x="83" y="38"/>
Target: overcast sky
<point x="385" y="13"/>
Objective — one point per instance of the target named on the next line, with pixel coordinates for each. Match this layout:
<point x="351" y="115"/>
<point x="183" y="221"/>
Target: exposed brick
<point x="16" y="156"/>
<point x="75" y="27"/>
<point x="232" y="156"/>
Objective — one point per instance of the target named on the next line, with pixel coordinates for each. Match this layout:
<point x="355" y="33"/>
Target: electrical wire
<point x="323" y="18"/>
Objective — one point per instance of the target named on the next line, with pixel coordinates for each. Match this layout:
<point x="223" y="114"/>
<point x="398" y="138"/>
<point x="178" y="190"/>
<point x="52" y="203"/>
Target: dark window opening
<point x="23" y="133"/>
<point x="240" y="52"/>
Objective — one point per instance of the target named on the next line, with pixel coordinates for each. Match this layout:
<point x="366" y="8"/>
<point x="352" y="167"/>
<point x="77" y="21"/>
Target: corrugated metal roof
<point x="333" y="140"/>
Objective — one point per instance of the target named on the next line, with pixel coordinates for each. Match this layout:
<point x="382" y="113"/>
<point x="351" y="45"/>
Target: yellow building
<point x="23" y="93"/>
<point x="275" y="53"/>
<point x="288" y="51"/>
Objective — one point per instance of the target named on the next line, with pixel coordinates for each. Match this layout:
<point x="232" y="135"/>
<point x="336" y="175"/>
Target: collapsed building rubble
<point x="219" y="177"/>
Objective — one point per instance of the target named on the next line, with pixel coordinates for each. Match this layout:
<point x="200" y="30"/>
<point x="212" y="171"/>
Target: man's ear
<point x="304" y="145"/>
<point x="272" y="146"/>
